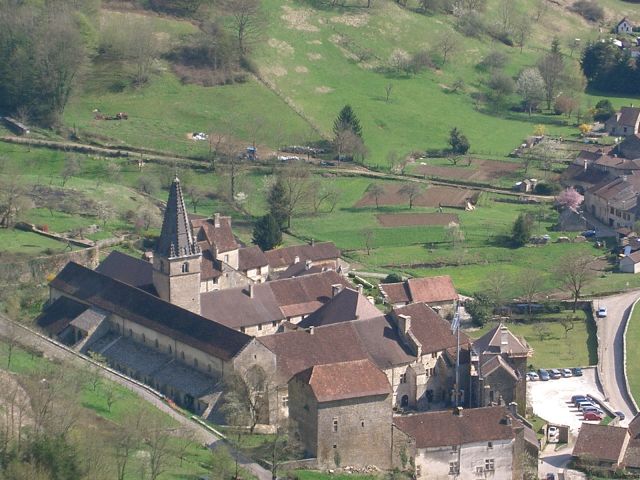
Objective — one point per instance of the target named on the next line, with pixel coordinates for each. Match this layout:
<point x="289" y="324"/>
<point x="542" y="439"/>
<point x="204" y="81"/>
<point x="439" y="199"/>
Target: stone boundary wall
<point x="37" y="270"/>
<point x="624" y="353"/>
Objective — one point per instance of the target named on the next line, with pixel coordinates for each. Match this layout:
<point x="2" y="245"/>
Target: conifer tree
<point x="278" y="204"/>
<point x="267" y="233"/>
<point x="347" y="120"/>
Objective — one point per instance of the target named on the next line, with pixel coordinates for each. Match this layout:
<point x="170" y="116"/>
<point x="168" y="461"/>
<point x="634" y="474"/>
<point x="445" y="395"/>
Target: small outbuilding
<point x="624" y="26"/>
<point x="630" y="263"/>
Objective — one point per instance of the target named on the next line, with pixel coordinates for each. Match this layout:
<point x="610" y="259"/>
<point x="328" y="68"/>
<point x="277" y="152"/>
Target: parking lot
<point x="551" y="400"/>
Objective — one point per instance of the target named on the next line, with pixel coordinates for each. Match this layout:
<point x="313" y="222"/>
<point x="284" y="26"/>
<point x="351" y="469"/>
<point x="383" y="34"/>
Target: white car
<point x="602" y="311"/>
<point x="553" y="433"/>
<point x="566" y="372"/>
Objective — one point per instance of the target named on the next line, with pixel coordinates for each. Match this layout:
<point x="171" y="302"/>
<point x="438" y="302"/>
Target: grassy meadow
<point x="632" y="348"/>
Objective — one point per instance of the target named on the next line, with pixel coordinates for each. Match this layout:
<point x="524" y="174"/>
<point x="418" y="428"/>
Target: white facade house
<point x="624" y="26"/>
<point x="630" y="263"/>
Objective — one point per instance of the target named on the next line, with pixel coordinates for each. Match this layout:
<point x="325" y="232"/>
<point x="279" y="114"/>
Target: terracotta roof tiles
<point x="600" y="442"/>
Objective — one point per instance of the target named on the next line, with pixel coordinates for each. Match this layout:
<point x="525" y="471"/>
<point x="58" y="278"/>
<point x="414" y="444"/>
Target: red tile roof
<point x="600" y="442"/>
<point x="284" y="257"/>
<point x="421" y="290"/>
<point x="345" y="380"/>
<point x="220" y="237"/>
<point x="446" y="428"/>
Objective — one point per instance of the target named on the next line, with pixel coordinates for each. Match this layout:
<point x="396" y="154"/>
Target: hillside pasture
<point x="432" y="196"/>
<point x="411" y="219"/>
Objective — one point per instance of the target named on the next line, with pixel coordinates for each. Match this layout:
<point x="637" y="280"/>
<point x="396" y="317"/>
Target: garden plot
<point x="414" y="219"/>
<point x="432" y="196"/>
<point x="478" y="171"/>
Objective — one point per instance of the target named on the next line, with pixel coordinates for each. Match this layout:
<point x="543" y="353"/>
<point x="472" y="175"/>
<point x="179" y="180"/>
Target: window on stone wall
<point x="285" y="402"/>
<point x="454" y="448"/>
<point x="274" y="323"/>
<point x="489" y="444"/>
<point x="259" y="326"/>
<point x="434" y="354"/>
<point x="185" y="267"/>
<point x="335" y="424"/>
<point x="418" y="470"/>
<point x="362" y="422"/>
<point x="454" y="468"/>
<point x="403" y="378"/>
<point x="242" y="329"/>
<point x="490" y="464"/>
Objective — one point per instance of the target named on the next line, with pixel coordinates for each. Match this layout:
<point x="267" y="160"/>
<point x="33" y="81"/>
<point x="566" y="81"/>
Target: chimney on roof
<point x="250" y="291"/>
<point x="513" y="408"/>
<point x="458" y="411"/>
<point x="216" y="220"/>
<point x="307" y="264"/>
<point x="404" y="323"/>
<point x="624" y="178"/>
<point x="360" y="288"/>
<point x="585" y="164"/>
<point x="296" y="259"/>
<point x="336" y="288"/>
<point x="504" y="339"/>
<point x="311" y="330"/>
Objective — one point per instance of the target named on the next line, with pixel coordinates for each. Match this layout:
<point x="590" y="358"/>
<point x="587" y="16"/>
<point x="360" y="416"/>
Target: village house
<point x="342" y="414"/>
<point x="294" y="260"/>
<point x="624" y="123"/>
<point x="630" y="147"/>
<point x="614" y="201"/>
<point x="466" y="444"/>
<point x="498" y="369"/>
<point x="624" y="26"/>
<point x="437" y="292"/>
<point x="607" y="448"/>
<point x="630" y="263"/>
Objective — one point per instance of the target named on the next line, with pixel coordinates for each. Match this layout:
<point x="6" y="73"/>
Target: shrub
<point x="472" y="25"/>
<point x="494" y="59"/>
<point x="547" y="188"/>
<point x="588" y="9"/>
<point x="393" y="278"/>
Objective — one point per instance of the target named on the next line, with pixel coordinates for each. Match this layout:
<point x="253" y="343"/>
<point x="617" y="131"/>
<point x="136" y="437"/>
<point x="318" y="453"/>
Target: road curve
<point x="611" y="350"/>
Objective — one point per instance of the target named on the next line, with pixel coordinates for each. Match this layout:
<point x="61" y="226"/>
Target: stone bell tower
<point x="176" y="258"/>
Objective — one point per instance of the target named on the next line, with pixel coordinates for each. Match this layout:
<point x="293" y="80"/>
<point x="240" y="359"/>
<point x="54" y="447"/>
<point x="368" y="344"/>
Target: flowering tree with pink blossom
<point x="569" y="198"/>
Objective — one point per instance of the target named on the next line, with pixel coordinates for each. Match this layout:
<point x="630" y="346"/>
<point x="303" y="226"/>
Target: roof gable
<point x="347" y="305"/>
<point x="500" y="340"/>
<point x="345" y="380"/>
<point x="446" y="428"/>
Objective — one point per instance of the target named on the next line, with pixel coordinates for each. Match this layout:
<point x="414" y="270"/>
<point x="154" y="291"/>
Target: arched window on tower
<point x="185" y="267"/>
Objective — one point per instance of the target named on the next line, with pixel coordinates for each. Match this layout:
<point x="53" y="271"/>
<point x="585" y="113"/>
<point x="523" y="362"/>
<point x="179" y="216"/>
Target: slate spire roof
<point x="176" y="239"/>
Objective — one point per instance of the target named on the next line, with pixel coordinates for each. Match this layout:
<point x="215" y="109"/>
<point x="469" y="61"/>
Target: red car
<point x="593" y="416"/>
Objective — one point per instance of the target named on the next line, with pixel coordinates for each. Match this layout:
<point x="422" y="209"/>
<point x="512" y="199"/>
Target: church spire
<point x="176" y="239"/>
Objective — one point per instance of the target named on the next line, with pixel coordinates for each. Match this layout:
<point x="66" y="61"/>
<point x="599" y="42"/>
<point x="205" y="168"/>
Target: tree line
<point x="610" y="69"/>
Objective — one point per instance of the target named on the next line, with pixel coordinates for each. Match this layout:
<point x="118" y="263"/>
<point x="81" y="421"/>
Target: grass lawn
<point x="16" y="242"/>
<point x="633" y="353"/>
<point x="185" y="459"/>
<point x="554" y="350"/>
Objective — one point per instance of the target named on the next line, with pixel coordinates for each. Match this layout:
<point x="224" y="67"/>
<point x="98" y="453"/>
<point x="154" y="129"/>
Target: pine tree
<point x="459" y="143"/>
<point x="347" y="120"/>
<point x="521" y="232"/>
<point x="278" y="204"/>
<point x="267" y="233"/>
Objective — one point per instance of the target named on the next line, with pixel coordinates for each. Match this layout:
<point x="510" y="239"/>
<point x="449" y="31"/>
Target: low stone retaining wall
<point x="624" y="352"/>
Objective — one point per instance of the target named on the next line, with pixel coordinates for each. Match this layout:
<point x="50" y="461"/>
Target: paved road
<point x="51" y="350"/>
<point x="611" y="350"/>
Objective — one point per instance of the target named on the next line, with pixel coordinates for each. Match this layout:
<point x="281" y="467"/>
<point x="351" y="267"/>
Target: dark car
<point x="544" y="375"/>
<point x="577" y="372"/>
<point x="620" y="415"/>
<point x="589" y="233"/>
<point x="579" y="398"/>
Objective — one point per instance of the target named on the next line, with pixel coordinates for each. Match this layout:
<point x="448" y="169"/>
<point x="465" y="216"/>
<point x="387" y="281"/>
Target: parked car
<point x="602" y="312"/>
<point x="555" y="373"/>
<point x="620" y="415"/>
<point x="533" y="376"/>
<point x="566" y="372"/>
<point x="584" y="404"/>
<point x="544" y="375"/>
<point x="577" y="372"/>
<point x="579" y="398"/>
<point x="593" y="409"/>
<point x="589" y="233"/>
<point x="593" y="416"/>
<point x="552" y="433"/>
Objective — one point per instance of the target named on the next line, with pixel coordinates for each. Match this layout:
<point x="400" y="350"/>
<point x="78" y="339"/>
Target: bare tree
<point x="447" y="44"/>
<point x="157" y="440"/>
<point x="70" y="169"/>
<point x="196" y="195"/>
<point x="567" y="323"/>
<point x="411" y="190"/>
<point x="321" y="193"/>
<point x="376" y="191"/>
<point x="146" y="218"/>
<point x="496" y="286"/>
<point x="14" y="201"/>
<point x="522" y="30"/>
<point x="575" y="272"/>
<point x="530" y="283"/>
<point x="295" y="180"/>
<point x="247" y="22"/>
<point x="367" y="237"/>
<point x="126" y="442"/>
<point x="104" y="212"/>
<point x="387" y="89"/>
<point x="454" y="233"/>
<point x="246" y="397"/>
<point x="283" y="446"/>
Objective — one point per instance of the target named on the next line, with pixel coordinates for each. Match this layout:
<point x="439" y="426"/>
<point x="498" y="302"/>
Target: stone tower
<point x="176" y="259"/>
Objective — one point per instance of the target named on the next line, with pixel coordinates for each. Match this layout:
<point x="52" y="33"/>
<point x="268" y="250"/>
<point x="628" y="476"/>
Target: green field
<point x="311" y="61"/>
<point x="578" y="349"/>
<point x="632" y="349"/>
<point x="97" y="426"/>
